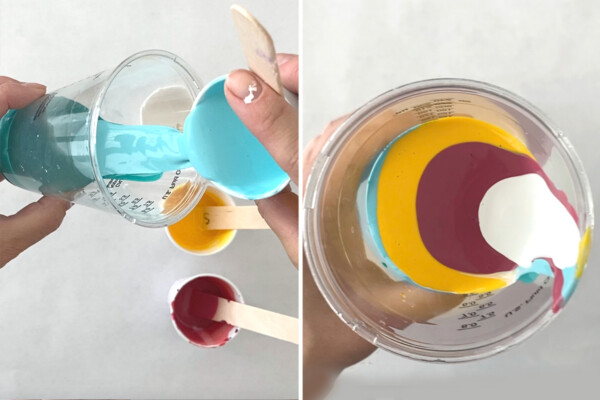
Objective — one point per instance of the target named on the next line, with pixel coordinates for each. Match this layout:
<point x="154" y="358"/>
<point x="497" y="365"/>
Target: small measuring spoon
<point x="225" y="152"/>
<point x="220" y="147"/>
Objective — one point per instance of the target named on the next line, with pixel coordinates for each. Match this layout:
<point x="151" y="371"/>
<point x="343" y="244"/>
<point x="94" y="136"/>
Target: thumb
<point x="289" y="70"/>
<point x="29" y="226"/>
<point x="18" y="95"/>
<point x="268" y="116"/>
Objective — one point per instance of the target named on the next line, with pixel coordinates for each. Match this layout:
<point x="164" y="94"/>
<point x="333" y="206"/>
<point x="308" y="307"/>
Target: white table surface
<point x="547" y="51"/>
<point x="84" y="313"/>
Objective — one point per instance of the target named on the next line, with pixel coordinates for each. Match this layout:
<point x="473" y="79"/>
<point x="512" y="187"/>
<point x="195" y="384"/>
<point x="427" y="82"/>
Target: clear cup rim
<point x="317" y="262"/>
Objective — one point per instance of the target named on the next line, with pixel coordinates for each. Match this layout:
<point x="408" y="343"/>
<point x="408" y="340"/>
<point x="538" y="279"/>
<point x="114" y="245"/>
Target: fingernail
<point x="282" y="58"/>
<point x="36" y="86"/>
<point x="243" y="85"/>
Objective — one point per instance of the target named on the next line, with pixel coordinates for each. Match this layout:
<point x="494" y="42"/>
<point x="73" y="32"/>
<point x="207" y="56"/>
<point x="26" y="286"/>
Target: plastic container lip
<point x="228" y="201"/>
<point x="181" y="283"/>
<point x="193" y="85"/>
<point x="325" y="279"/>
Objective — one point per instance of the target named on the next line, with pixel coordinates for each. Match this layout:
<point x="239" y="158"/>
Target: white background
<point x="84" y="313"/>
<point x="545" y="51"/>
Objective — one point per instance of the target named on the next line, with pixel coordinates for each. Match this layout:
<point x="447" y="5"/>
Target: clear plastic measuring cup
<point x="398" y="316"/>
<point x="113" y="141"/>
<point x="50" y="146"/>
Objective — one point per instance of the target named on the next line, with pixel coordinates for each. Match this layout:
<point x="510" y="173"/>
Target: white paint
<point x="251" y="89"/>
<point x="521" y="219"/>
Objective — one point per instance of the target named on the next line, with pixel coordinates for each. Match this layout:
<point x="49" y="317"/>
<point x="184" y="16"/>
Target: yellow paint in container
<point x="190" y="233"/>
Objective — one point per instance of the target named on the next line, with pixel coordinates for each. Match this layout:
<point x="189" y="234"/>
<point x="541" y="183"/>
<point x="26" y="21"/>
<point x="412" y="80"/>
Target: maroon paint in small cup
<point x="189" y="309"/>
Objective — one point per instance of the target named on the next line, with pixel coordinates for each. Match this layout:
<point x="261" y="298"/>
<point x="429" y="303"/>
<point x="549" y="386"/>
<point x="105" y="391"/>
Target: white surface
<point x="545" y="51"/>
<point x="84" y="313"/>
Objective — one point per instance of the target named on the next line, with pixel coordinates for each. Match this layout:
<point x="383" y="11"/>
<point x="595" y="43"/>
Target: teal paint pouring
<point x="214" y="141"/>
<point x="45" y="147"/>
<point x="139" y="152"/>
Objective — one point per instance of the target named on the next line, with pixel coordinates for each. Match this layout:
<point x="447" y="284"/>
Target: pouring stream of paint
<point x="458" y="205"/>
<point x="214" y="142"/>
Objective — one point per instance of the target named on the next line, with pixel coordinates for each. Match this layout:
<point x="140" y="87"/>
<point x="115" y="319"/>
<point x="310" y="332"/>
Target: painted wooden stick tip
<point x="258" y="47"/>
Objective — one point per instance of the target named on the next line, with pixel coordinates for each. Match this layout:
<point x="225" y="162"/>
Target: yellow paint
<point x="397" y="194"/>
<point x="584" y="252"/>
<point x="190" y="234"/>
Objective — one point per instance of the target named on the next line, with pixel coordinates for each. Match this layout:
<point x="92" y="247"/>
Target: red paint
<point x="559" y="281"/>
<point x="448" y="197"/>
<point x="193" y="310"/>
<point x="204" y="306"/>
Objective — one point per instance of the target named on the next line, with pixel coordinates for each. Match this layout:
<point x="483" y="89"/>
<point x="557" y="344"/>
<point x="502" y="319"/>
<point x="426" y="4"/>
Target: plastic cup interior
<point x="397" y="316"/>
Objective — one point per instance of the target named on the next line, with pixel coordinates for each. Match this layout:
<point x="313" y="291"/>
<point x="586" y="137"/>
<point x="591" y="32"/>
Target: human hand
<point x="39" y="219"/>
<point x="330" y="345"/>
<point x="275" y="124"/>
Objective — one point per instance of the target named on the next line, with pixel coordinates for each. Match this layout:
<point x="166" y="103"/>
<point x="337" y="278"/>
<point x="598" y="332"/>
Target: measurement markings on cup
<point x="476" y="311"/>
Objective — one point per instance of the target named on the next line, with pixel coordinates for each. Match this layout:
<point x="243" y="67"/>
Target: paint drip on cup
<point x="459" y="205"/>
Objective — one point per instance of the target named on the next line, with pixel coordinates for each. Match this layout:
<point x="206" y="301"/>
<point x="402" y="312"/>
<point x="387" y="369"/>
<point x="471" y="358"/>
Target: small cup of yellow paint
<point x="190" y="233"/>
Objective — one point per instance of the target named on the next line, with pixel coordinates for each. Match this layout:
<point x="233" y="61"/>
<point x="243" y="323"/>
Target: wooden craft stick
<point x="258" y="47"/>
<point x="254" y="319"/>
<point x="233" y="217"/>
<point x="259" y="50"/>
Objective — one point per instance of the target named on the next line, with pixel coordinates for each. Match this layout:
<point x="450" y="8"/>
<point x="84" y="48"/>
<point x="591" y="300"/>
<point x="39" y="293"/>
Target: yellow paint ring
<point x="397" y="193"/>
